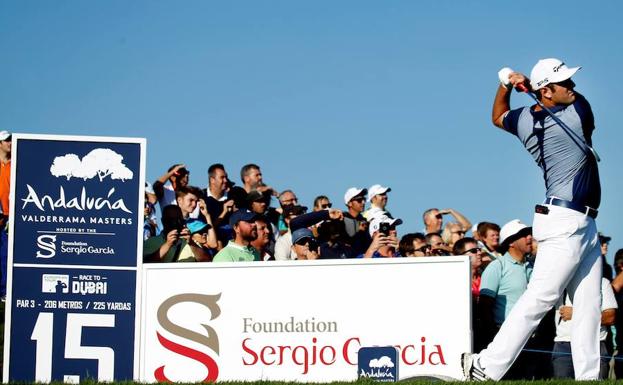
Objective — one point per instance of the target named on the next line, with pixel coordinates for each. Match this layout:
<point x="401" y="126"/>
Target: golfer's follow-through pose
<point x="564" y="224"/>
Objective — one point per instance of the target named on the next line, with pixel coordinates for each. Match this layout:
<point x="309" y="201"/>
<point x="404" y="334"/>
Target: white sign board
<point x="303" y="320"/>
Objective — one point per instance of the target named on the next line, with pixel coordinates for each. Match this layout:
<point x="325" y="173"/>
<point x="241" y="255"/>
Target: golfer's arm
<point x="501" y="105"/>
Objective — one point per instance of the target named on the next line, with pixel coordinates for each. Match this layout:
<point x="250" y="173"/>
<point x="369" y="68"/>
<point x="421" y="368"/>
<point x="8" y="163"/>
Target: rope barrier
<point x="616" y="358"/>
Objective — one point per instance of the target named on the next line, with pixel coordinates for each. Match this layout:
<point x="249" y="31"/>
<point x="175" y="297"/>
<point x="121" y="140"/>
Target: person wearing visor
<point x="557" y="132"/>
<point x="202" y="234"/>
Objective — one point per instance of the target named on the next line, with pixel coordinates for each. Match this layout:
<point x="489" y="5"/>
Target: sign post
<point x="74" y="240"/>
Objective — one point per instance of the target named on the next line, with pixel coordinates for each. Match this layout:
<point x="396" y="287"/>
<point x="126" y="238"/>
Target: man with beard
<point x="239" y="249"/>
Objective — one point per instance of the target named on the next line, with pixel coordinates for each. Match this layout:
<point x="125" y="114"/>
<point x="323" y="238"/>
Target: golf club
<point x="522" y="88"/>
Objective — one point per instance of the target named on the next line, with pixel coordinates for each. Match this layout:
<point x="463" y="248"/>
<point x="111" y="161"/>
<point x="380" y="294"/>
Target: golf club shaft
<point x="522" y="88"/>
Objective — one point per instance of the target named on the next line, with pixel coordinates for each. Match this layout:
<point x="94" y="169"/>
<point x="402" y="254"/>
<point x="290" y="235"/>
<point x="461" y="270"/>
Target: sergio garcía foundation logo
<point x="209" y="340"/>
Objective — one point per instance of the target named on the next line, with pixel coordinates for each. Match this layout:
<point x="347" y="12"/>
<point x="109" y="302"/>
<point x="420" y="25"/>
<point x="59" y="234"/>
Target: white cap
<point x="511" y="229"/>
<point x="548" y="71"/>
<point x="475" y="228"/>
<point x="377" y="189"/>
<point x="4" y="135"/>
<point x="353" y="192"/>
<point x="149" y="189"/>
<point x="375" y="222"/>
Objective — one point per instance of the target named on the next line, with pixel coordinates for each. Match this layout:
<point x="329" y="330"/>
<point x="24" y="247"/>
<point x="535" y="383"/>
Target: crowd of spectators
<point x="226" y="222"/>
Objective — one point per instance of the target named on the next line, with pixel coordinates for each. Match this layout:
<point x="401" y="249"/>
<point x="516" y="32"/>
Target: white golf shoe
<point x="471" y="370"/>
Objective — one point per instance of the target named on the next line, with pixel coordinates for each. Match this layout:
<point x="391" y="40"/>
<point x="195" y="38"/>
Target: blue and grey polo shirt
<point x="569" y="170"/>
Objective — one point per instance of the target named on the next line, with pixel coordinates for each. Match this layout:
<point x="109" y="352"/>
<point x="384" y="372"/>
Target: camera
<point x="384" y="228"/>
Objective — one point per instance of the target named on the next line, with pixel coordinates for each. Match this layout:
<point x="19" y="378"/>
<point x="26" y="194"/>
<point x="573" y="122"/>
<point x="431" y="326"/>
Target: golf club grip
<point x="522" y="88"/>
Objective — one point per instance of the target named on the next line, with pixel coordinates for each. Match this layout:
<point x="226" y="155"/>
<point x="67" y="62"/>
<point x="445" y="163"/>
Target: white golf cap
<point x="353" y="192"/>
<point x="475" y="228"/>
<point x="548" y="71"/>
<point x="4" y="135"/>
<point x="375" y="223"/>
<point x="377" y="189"/>
<point x="513" y="230"/>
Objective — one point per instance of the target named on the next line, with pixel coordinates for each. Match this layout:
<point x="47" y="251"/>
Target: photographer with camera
<point x="174" y="243"/>
<point x="384" y="238"/>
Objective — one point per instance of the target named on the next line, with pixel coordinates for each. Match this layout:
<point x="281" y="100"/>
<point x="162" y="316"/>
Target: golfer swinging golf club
<point x="557" y="133"/>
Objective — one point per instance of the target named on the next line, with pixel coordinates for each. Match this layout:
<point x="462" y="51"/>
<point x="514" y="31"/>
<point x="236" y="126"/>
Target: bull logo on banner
<point x="210" y="340"/>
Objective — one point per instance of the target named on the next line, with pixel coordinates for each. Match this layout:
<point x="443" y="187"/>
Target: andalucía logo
<point x="100" y="162"/>
<point x="379" y="363"/>
<point x="210" y="340"/>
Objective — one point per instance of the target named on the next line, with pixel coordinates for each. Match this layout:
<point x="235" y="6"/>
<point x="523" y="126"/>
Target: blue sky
<point x="323" y="95"/>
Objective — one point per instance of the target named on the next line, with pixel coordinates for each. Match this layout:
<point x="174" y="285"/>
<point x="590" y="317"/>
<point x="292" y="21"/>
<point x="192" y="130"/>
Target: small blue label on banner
<point x="379" y="363"/>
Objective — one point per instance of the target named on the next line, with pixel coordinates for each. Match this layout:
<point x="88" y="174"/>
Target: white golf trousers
<point x="568" y="257"/>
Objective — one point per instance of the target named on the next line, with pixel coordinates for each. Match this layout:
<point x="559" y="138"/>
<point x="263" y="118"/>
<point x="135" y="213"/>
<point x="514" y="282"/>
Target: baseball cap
<point x="512" y="231"/>
<point x="294" y="210"/>
<point x="375" y="223"/>
<point x="353" y="192"/>
<point x="254" y="196"/>
<point x="551" y="70"/>
<point x="242" y="215"/>
<point x="300" y="234"/>
<point x="376" y="190"/>
<point x="4" y="135"/>
<point x="603" y="238"/>
<point x="196" y="226"/>
<point x="149" y="189"/>
<point x="475" y="228"/>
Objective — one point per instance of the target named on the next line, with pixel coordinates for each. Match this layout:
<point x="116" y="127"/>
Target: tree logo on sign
<point x="100" y="162"/>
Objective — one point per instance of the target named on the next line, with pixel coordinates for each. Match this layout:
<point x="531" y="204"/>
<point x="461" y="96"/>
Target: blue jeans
<point x="563" y="365"/>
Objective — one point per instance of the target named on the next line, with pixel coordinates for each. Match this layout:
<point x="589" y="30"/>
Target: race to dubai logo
<point x="102" y="162"/>
<point x="210" y="340"/>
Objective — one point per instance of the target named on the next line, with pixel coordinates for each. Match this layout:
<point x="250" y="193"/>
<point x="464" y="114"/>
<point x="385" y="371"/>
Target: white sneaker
<point x="471" y="372"/>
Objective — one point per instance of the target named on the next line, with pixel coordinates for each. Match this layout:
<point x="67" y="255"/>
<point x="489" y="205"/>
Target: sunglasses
<point x="326" y="205"/>
<point x="360" y="199"/>
<point x="439" y="216"/>
<point x="423" y="249"/>
<point x="473" y="251"/>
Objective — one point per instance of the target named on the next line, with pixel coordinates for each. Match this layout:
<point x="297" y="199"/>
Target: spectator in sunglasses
<point x="413" y="245"/>
<point x="355" y="224"/>
<point x="286" y="198"/>
<point x="433" y="220"/>
<point x="470" y="247"/>
<point x="321" y="202"/>
<point x="452" y="233"/>
<point x="437" y="246"/>
<point x="304" y="244"/>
